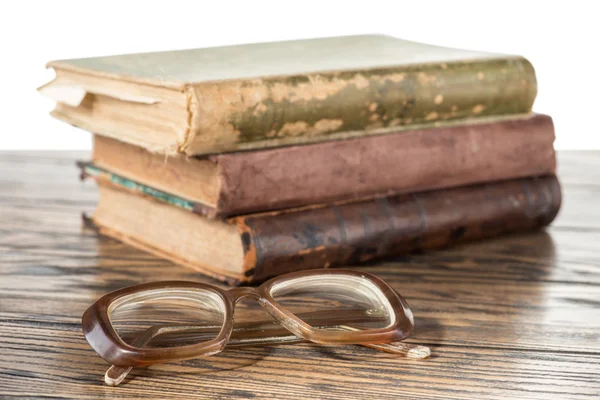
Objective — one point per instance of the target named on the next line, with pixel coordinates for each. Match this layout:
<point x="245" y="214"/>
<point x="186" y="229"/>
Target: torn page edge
<point x="73" y="95"/>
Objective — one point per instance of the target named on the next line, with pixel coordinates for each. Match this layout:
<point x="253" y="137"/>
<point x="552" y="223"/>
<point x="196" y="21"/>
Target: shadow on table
<point x="229" y="360"/>
<point x="485" y="293"/>
<point x="464" y="295"/>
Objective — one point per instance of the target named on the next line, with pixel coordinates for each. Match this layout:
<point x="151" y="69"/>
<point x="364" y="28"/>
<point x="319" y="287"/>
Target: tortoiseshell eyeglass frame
<point x="105" y="340"/>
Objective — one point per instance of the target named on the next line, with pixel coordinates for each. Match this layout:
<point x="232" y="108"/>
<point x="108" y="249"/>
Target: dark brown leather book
<point x="355" y="169"/>
<point x="251" y="248"/>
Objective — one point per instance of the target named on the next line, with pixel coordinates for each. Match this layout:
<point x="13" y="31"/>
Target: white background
<point x="561" y="39"/>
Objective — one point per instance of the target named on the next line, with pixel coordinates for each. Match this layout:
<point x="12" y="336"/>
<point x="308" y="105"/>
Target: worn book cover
<point x="272" y="94"/>
<point x="255" y="247"/>
<point x="230" y="184"/>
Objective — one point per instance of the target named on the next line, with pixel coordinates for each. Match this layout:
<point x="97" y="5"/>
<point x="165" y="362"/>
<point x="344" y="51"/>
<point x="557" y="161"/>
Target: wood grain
<point x="515" y="317"/>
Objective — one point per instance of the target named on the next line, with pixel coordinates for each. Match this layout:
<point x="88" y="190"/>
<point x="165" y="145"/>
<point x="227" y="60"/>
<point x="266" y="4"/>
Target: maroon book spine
<point x="367" y="167"/>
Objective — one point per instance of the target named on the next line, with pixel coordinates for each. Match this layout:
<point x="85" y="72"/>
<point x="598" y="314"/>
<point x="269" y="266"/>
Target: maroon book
<point x="231" y="184"/>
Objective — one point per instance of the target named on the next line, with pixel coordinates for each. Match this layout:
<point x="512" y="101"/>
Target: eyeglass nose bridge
<point x="238" y="293"/>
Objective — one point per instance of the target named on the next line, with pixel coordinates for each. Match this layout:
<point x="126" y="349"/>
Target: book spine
<point x="358" y="232"/>
<point x="237" y="115"/>
<point x="406" y="162"/>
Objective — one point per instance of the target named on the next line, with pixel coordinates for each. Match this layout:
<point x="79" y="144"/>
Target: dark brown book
<point x="355" y="169"/>
<point x="251" y="248"/>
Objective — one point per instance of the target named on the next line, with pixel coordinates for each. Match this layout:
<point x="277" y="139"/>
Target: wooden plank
<point x="54" y="358"/>
<point x="525" y="297"/>
<point x="579" y="210"/>
<point x="579" y="167"/>
<point x="512" y="317"/>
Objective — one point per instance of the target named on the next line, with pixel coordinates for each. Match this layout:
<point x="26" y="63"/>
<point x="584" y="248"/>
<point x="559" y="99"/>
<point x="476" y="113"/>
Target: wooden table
<point x="517" y="317"/>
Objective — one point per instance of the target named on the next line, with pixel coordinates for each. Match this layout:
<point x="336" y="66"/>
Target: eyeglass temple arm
<point x="261" y="333"/>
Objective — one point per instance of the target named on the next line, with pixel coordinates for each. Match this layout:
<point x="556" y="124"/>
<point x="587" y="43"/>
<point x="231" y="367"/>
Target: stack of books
<point x="245" y="162"/>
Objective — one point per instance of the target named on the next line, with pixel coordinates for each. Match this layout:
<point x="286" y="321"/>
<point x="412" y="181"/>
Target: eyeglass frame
<point x="104" y="339"/>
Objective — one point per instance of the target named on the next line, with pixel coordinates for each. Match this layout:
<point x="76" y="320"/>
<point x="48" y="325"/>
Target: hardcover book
<point x="254" y="247"/>
<point x="355" y="169"/>
<point x="272" y="94"/>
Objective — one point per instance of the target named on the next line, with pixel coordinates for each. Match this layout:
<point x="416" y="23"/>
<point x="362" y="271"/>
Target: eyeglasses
<point x="177" y="320"/>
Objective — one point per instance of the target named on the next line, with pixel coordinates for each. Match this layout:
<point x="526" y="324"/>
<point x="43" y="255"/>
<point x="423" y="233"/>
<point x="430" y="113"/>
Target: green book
<point x="253" y="96"/>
